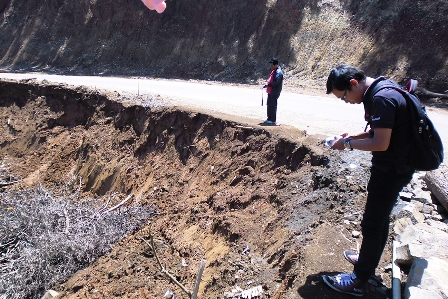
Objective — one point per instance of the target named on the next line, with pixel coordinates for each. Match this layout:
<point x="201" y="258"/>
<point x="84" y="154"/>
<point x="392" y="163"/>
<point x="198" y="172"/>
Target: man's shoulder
<point x="383" y="88"/>
<point x="279" y="70"/>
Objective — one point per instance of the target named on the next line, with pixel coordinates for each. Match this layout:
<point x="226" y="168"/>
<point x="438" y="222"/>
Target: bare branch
<point x="244" y="127"/>
<point x="431" y="94"/>
<point x="104" y="207"/>
<point x="67" y="221"/>
<point x="147" y="243"/>
<point x="50" y="238"/>
<point x="4" y="184"/>
<point x="194" y="295"/>
<point x="162" y="269"/>
<point x="121" y="203"/>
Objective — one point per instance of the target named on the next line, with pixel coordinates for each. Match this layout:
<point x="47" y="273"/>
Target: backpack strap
<point x="382" y="83"/>
<point x="411" y="86"/>
<point x="417" y="110"/>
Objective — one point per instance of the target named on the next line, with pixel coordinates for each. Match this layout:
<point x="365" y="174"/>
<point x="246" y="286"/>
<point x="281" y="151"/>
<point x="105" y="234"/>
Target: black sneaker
<point x="351" y="256"/>
<point x="346" y="283"/>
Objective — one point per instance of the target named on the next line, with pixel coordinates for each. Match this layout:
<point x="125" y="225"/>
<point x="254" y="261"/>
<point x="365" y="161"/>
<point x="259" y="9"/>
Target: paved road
<point x="315" y="114"/>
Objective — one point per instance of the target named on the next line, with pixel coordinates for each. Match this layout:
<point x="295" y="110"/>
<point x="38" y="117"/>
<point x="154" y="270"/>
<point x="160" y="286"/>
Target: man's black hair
<point x="274" y="61"/>
<point x="341" y="75"/>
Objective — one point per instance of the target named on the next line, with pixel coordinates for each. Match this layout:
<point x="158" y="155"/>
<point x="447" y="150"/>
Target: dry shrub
<point x="45" y="239"/>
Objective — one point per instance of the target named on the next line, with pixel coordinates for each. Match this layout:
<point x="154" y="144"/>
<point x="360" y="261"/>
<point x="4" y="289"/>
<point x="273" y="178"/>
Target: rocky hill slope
<point x="227" y="40"/>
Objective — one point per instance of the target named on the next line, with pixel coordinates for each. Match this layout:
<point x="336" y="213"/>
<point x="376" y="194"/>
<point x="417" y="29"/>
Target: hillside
<point x="227" y="40"/>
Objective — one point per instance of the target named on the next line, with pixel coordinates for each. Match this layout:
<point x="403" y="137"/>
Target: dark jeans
<point x="383" y="189"/>
<point x="272" y="107"/>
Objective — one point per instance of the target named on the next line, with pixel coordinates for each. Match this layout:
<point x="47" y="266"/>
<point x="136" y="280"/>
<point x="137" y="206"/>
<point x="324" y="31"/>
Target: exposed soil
<point x="263" y="205"/>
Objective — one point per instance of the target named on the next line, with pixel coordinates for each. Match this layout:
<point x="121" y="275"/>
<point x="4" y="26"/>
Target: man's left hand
<point x="339" y="144"/>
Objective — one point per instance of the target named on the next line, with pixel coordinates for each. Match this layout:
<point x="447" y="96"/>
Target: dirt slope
<point x="264" y="206"/>
<point x="227" y="40"/>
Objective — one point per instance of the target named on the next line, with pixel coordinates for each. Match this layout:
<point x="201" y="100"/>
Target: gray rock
<point x="428" y="278"/>
<point x="421" y="241"/>
<point x="406" y="196"/>
<point x="427" y="209"/>
<point x="437" y="224"/>
<point x="423" y="196"/>
<point x="50" y="294"/>
<point x="356" y="234"/>
<point x="400" y="226"/>
<point x="436" y="216"/>
<point x="418" y="205"/>
<point x="417" y="293"/>
<point x="412" y="212"/>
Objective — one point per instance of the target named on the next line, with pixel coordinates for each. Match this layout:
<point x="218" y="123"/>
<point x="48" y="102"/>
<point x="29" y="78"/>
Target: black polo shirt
<point x="388" y="109"/>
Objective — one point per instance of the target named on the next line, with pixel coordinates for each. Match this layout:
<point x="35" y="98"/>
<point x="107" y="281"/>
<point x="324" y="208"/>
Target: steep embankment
<point x="227" y="40"/>
<point x="262" y="208"/>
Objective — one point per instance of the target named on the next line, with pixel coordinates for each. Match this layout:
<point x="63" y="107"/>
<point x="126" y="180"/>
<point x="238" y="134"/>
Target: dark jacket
<point x="277" y="82"/>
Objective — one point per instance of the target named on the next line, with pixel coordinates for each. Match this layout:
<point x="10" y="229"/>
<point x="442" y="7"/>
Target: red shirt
<point x="270" y="80"/>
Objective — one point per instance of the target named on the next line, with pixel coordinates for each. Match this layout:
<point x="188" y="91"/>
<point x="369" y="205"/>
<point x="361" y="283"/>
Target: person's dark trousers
<point x="272" y="107"/>
<point x="383" y="190"/>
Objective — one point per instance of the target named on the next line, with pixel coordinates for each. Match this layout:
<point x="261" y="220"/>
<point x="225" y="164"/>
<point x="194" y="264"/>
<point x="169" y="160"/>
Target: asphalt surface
<point x="316" y="114"/>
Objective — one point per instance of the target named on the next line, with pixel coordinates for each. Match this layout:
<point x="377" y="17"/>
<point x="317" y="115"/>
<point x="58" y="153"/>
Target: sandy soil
<point x="263" y="205"/>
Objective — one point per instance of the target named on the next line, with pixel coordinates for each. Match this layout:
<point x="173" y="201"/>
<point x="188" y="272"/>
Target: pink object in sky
<point x="149" y="4"/>
<point x="161" y="7"/>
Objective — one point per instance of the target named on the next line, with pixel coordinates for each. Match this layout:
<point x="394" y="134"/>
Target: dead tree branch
<point x="4" y="184"/>
<point x="120" y="204"/>
<point x="162" y="268"/>
<point x="192" y="295"/>
<point x="431" y="94"/>
<point x="49" y="238"/>
<point x="244" y="127"/>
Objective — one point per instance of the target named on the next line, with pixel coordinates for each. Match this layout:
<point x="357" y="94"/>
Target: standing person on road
<point x="390" y="132"/>
<point x="274" y="87"/>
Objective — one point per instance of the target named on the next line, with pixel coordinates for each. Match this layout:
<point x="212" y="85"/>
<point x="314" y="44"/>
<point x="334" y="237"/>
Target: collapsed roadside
<point x="262" y="206"/>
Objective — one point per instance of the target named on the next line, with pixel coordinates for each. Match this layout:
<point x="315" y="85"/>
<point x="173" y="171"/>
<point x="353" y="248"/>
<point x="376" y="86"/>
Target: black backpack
<point x="426" y="148"/>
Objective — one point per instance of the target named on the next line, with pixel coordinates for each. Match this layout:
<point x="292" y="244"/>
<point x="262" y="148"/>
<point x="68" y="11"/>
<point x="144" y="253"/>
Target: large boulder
<point x="427" y="279"/>
<point x="437" y="182"/>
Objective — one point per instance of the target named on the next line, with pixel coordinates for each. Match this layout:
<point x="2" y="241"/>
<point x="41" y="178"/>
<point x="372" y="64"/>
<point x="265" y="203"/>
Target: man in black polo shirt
<point x="387" y="139"/>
